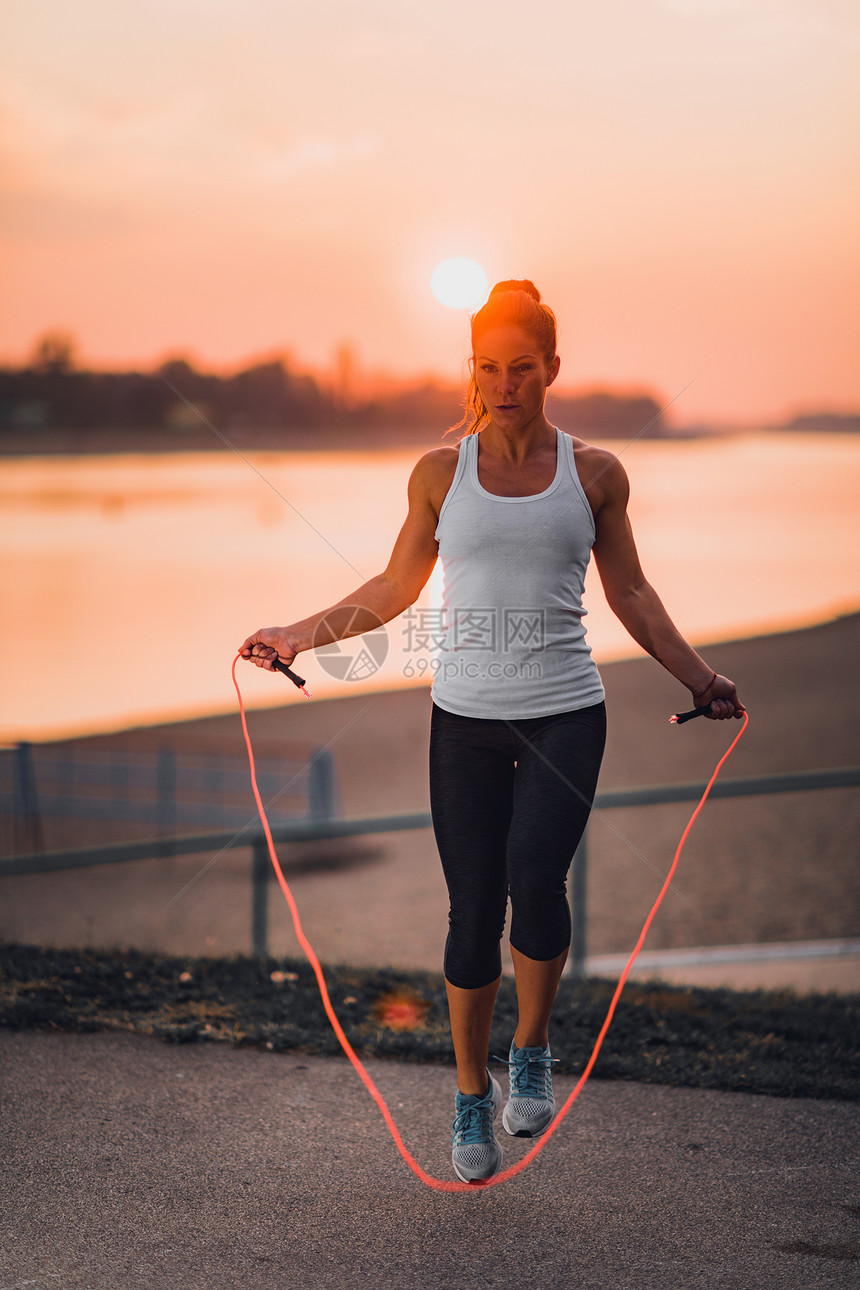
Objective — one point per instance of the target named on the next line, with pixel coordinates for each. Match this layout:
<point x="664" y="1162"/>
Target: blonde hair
<point x="515" y="303"/>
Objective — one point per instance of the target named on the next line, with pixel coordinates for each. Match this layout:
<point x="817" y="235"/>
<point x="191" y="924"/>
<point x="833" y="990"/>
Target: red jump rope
<point x="444" y="1184"/>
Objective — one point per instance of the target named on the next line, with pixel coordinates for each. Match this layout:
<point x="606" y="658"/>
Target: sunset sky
<point x="224" y="180"/>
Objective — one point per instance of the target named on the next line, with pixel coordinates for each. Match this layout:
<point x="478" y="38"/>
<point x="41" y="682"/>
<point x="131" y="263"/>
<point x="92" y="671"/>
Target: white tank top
<point x="513" y="640"/>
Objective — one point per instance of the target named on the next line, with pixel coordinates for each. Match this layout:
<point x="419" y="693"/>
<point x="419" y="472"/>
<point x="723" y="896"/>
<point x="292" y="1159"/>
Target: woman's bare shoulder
<point x="433" y="473"/>
<point x="588" y="454"/>
<point x="439" y="460"/>
<point x="601" y="473"/>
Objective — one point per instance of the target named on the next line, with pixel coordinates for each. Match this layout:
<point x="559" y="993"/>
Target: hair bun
<point x="516" y="285"/>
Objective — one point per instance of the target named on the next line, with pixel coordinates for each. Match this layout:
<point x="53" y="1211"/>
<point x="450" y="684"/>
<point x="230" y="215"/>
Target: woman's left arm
<point x="636" y="604"/>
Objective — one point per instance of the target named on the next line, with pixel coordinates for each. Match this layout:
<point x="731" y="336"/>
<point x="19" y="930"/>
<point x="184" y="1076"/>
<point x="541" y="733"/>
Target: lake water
<point x="128" y="582"/>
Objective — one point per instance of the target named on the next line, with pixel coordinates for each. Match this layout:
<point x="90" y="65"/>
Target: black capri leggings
<point x="510" y="801"/>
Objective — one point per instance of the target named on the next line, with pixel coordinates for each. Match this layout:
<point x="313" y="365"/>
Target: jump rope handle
<point x="297" y="680"/>
<point x="680" y="717"/>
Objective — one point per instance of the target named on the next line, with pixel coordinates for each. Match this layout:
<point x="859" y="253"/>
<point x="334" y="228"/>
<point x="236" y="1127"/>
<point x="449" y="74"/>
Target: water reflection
<point x="129" y="581"/>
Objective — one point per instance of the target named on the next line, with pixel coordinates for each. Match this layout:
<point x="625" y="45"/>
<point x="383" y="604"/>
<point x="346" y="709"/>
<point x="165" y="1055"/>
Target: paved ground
<point x="132" y="1163"/>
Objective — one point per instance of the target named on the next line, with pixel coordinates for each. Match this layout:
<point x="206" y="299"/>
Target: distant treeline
<point x="268" y="404"/>
<point x="826" y="423"/>
<point x="52" y="405"/>
<point x="61" y="397"/>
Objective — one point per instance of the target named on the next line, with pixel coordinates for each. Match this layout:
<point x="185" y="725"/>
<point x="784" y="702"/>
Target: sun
<point x="459" y="283"/>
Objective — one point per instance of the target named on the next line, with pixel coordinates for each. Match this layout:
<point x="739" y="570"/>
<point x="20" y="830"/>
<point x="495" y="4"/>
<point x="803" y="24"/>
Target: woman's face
<point x="512" y="374"/>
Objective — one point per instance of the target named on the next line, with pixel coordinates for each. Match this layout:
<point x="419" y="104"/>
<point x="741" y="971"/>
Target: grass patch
<point x="760" y="1041"/>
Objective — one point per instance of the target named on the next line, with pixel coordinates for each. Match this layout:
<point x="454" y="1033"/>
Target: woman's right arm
<point x="382" y="597"/>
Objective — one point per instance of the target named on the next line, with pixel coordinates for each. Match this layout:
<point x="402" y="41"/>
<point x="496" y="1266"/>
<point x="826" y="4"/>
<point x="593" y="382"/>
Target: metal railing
<point x="251" y="836"/>
<point x="171" y="791"/>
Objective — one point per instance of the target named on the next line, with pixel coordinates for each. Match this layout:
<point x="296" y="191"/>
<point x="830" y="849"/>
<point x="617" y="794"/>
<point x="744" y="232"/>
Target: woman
<point x="518" y="720"/>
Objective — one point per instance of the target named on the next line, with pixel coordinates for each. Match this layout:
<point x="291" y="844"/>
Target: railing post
<point x="259" y="896"/>
<point x="578" y="880"/>
<point x="26" y="797"/>
<point x="165" y="788"/>
<point x="321" y="804"/>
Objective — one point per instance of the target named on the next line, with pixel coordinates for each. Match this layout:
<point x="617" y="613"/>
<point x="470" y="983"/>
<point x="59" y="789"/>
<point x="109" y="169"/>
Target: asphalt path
<point x="128" y="1162"/>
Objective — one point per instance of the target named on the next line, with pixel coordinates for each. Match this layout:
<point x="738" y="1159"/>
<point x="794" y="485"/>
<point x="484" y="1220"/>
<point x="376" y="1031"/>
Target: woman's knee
<point x="470" y="964"/>
<point x="541" y="926"/>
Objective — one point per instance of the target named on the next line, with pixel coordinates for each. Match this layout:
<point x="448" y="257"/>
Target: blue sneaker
<point x="475" y="1152"/>
<point x="530" y="1107"/>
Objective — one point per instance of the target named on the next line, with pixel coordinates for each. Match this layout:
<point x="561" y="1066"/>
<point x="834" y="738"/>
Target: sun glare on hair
<point x="459" y="283"/>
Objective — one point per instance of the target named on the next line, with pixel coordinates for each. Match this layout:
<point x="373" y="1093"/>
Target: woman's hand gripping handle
<point x="269" y="648"/>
